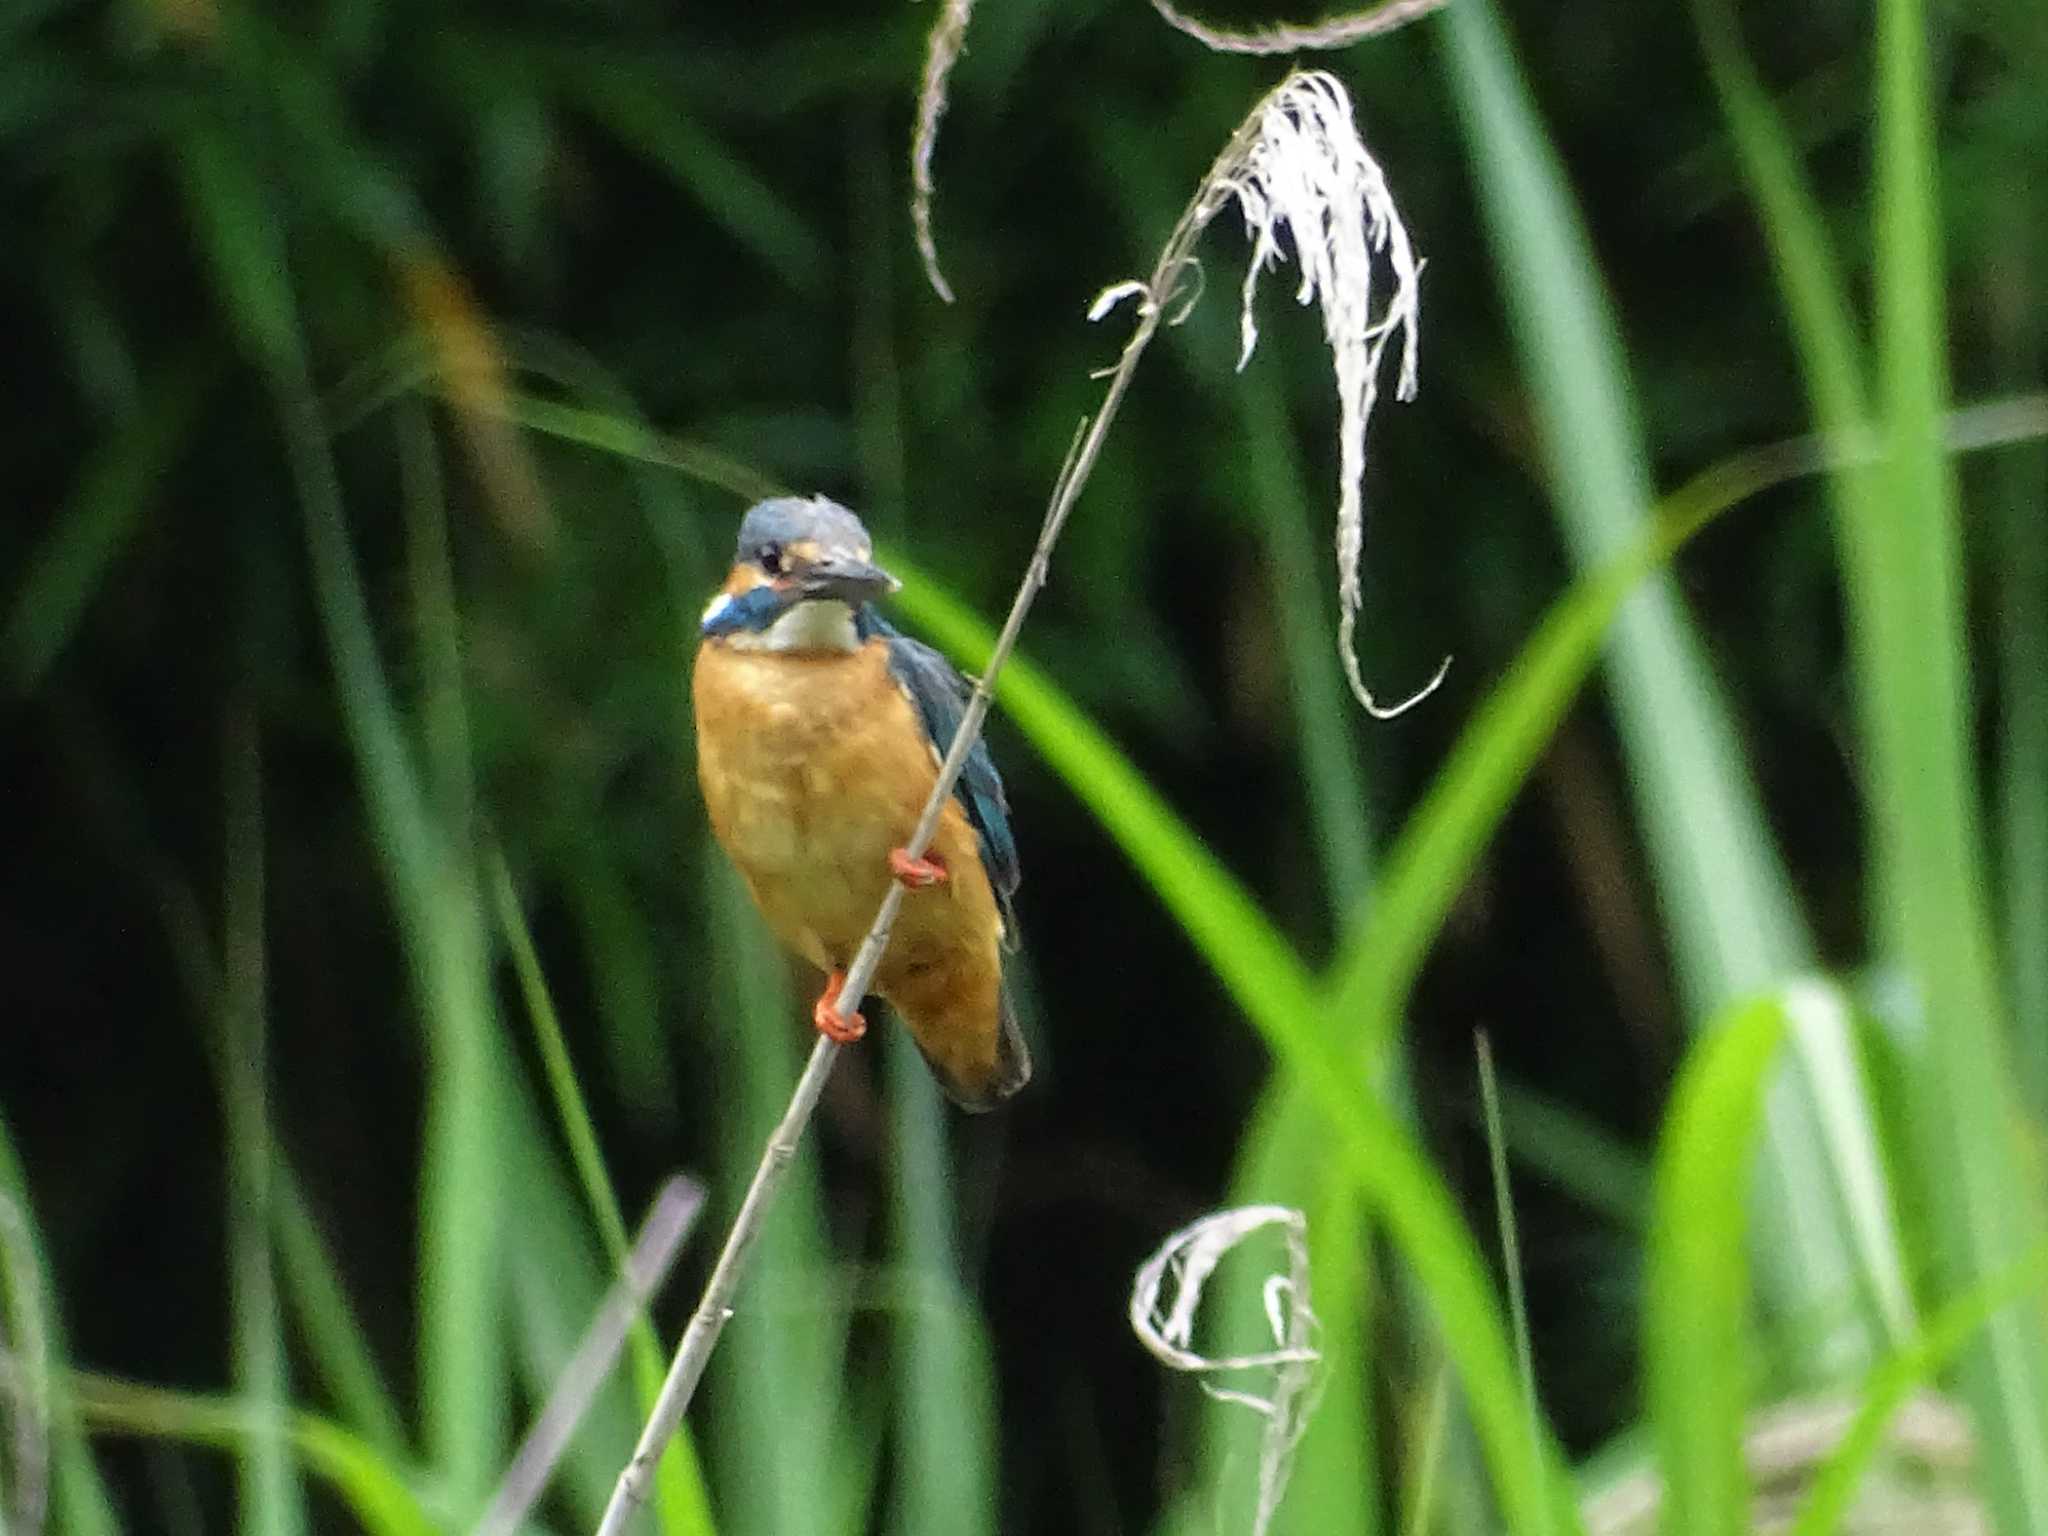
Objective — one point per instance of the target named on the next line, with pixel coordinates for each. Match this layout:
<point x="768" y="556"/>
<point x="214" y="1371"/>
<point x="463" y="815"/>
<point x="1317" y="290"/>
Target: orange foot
<point x="832" y="1024"/>
<point x="917" y="874"/>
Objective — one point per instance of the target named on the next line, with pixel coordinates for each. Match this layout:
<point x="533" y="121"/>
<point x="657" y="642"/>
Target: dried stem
<point x="1291" y="37"/>
<point x="942" y="51"/>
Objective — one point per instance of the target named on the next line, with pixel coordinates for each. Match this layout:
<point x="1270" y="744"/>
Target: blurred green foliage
<point x="389" y="381"/>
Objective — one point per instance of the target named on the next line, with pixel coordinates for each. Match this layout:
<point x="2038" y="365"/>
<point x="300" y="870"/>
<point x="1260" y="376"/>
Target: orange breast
<point x="815" y="766"/>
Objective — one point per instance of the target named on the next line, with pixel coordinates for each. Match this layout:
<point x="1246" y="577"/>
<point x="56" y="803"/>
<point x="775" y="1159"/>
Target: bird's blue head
<point x="803" y="569"/>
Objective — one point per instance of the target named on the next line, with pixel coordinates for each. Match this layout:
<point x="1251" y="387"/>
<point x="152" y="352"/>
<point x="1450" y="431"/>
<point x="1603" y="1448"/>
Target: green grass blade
<point x="1820" y="1013"/>
<point x="271" y="1502"/>
<point x="75" y="1496"/>
<point x="1335" y="1487"/>
<point x="328" y="1322"/>
<point x="382" y="1500"/>
<point x="946" y="1431"/>
<point x="571" y="1113"/>
<point x="1816" y="297"/>
<point x="1283" y="1159"/>
<point x="1735" y="924"/>
<point x="1696" y="1288"/>
<point x="1894" y="1380"/>
<point x="436" y="628"/>
<point x="1925" y="837"/>
<point x="621" y="438"/>
<point x="1429" y="1426"/>
<point x="239" y="238"/>
<point x="375" y="1491"/>
<point x="112" y="496"/>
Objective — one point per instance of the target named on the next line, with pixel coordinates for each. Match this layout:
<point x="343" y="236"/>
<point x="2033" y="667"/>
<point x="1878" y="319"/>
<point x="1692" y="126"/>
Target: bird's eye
<point x="771" y="559"/>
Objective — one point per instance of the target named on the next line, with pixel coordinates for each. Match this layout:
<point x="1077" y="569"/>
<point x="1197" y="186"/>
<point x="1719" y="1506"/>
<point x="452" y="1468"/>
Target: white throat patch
<point x="822" y="624"/>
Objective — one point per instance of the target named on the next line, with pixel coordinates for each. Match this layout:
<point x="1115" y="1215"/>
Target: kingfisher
<point x="819" y="734"/>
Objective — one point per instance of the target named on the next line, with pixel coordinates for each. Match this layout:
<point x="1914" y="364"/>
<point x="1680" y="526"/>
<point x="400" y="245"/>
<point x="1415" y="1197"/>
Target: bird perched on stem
<point x="819" y="734"/>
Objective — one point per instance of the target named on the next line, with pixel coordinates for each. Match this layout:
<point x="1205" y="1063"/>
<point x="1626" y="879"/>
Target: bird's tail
<point x="978" y="1080"/>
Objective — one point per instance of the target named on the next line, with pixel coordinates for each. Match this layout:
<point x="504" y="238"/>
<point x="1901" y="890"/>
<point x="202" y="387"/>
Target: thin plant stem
<point x="1289" y="37"/>
<point x="942" y="51"/>
<point x="1432" y="1431"/>
<point x="570" y="1109"/>
<point x="1504" y="1213"/>
<point x="713" y="1311"/>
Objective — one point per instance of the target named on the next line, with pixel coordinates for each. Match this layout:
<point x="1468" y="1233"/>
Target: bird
<point x="820" y="729"/>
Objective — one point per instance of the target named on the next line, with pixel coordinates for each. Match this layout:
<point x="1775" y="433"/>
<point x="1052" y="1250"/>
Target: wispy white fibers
<point x="1298" y="165"/>
<point x="942" y="50"/>
<point x="1166" y="1296"/>
<point x="1307" y="171"/>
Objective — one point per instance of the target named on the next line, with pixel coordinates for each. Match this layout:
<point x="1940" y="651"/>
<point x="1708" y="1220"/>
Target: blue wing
<point x="941" y="694"/>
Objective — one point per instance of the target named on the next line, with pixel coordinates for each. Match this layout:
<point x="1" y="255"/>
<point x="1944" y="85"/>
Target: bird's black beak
<point x="850" y="580"/>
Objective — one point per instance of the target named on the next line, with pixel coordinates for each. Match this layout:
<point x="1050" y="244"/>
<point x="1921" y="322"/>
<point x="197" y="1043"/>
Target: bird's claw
<point x="917" y="874"/>
<point x="844" y="1028"/>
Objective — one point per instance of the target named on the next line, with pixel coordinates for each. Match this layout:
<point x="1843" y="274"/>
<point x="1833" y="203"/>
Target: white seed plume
<point x="1309" y="171"/>
<point x="1166" y="1296"/>
<point x="1298" y="165"/>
